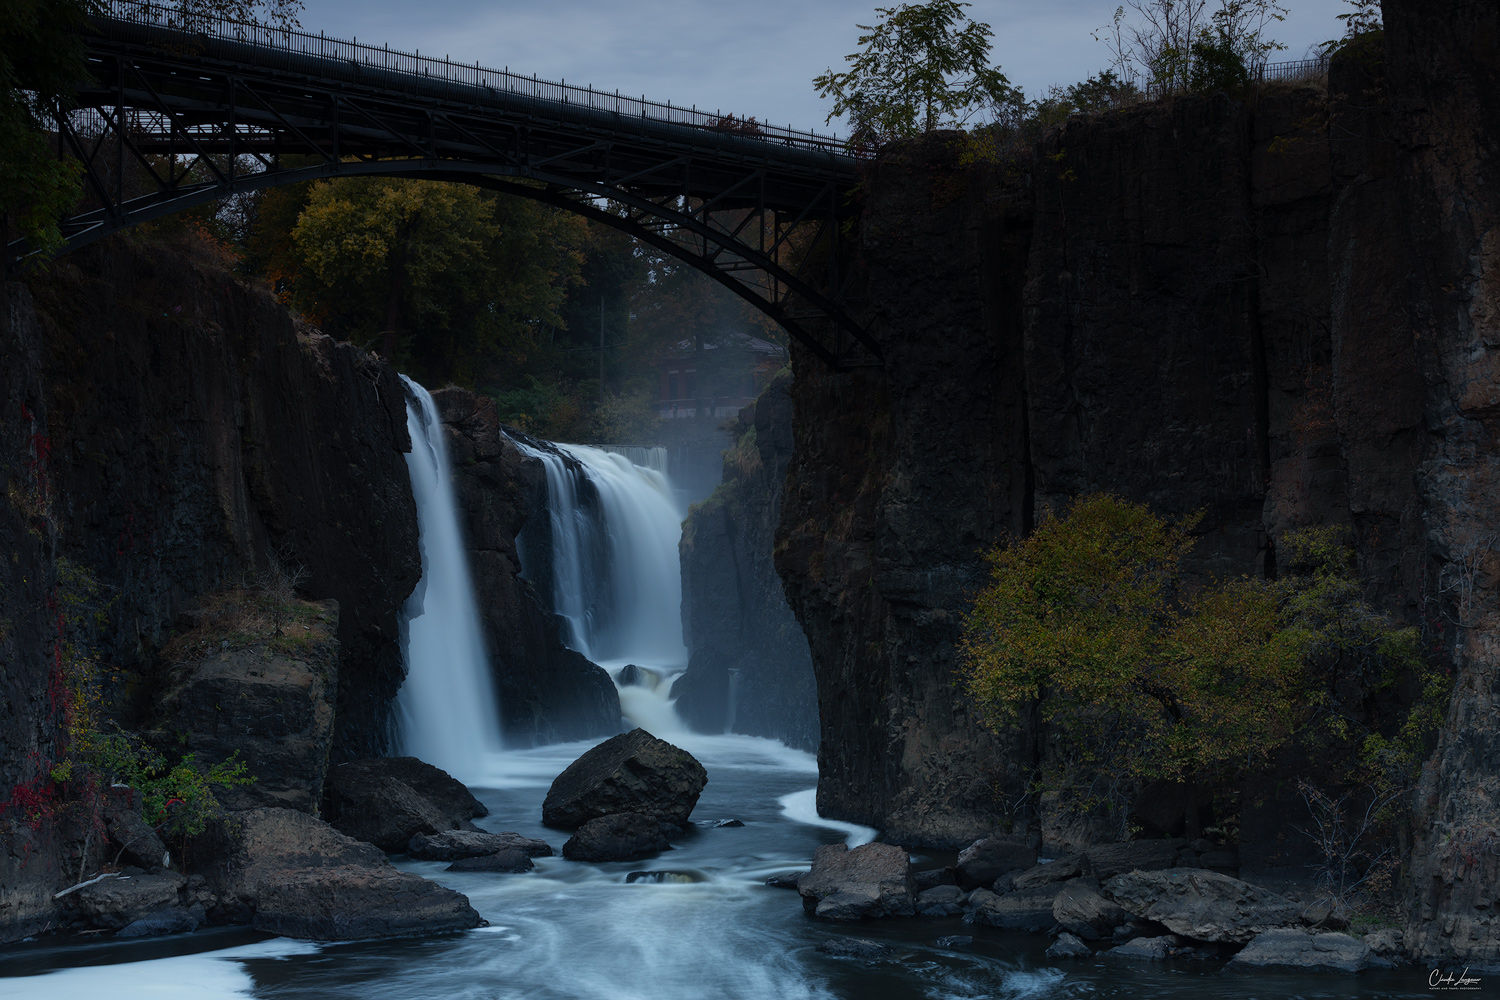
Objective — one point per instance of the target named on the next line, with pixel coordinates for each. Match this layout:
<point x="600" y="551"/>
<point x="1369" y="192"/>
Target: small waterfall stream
<point x="446" y="706"/>
<point x="616" y="578"/>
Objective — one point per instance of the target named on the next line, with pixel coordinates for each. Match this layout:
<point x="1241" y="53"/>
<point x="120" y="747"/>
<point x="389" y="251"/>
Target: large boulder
<point x="1294" y="948"/>
<point x="631" y="773"/>
<point x="128" y="832"/>
<point x="455" y="845"/>
<point x="269" y="700"/>
<point x="1081" y="909"/>
<point x="873" y="880"/>
<point x="985" y="860"/>
<point x="1018" y="910"/>
<point x="618" y="837"/>
<point x="117" y="902"/>
<point x="941" y="901"/>
<point x="1202" y="904"/>
<point x="1070" y="867"/>
<point x="295" y="875"/>
<point x="1109" y="860"/>
<point x="386" y="801"/>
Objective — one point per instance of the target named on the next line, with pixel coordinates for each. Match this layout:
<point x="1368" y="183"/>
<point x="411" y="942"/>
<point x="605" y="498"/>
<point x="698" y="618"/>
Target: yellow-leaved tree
<point x="1090" y="623"/>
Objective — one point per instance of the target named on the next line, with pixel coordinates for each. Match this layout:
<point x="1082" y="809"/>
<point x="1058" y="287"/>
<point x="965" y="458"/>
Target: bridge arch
<point x="223" y="92"/>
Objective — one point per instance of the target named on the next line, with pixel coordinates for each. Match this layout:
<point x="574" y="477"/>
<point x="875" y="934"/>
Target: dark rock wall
<point x="548" y="693"/>
<point x="734" y="611"/>
<point x="900" y="476"/>
<point x="1283" y="314"/>
<point x="1443" y="284"/>
<point x="197" y="436"/>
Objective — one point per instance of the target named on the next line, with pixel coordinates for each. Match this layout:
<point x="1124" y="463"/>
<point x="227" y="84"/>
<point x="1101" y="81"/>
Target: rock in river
<point x="870" y="881"/>
<point x="455" y="845"/>
<point x="1201" y="904"/>
<point x="386" y="801"/>
<point x="631" y="773"/>
<point x="298" y="876"/>
<point x="1299" y="949"/>
<point x="618" y="837"/>
<point x="986" y="860"/>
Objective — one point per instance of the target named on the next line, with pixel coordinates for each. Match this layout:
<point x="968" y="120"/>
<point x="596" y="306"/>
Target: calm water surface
<point x="571" y="931"/>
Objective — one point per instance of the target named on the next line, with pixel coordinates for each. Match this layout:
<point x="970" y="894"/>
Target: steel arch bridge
<point x="177" y="115"/>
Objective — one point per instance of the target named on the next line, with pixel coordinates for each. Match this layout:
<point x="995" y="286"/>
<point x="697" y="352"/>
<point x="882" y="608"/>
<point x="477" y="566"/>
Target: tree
<point x="1173" y="46"/>
<point x="41" y="59"/>
<point x="917" y="71"/>
<point x="1089" y="622"/>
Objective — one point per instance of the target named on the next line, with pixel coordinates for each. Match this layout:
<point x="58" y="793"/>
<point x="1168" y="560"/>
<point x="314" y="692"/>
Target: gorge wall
<point x="1281" y="313"/>
<point x="750" y="670"/>
<point x="548" y="693"/>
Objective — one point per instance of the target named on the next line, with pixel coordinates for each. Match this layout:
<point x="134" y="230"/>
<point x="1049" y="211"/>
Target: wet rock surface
<point x="870" y="881"/>
<point x="1018" y="910"/>
<point x="1300" y="949"/>
<point x="1068" y="946"/>
<point x="1201" y="904"/>
<point x="455" y="845"/>
<point x="287" y="873"/>
<point x="507" y="860"/>
<point x="631" y="773"/>
<point x="863" y="949"/>
<point x="985" y="860"/>
<point x="618" y="837"/>
<point x="387" y="801"/>
<point x="117" y="902"/>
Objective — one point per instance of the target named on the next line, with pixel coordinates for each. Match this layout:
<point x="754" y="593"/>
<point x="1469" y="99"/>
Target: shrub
<point x="1089" y="622"/>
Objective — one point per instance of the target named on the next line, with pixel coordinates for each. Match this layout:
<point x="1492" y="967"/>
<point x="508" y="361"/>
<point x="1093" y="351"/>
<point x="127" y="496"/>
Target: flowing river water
<point x="710" y="930"/>
<point x="577" y="931"/>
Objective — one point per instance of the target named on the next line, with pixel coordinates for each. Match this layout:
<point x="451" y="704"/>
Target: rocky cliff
<point x="548" y="693"/>
<point x="172" y="434"/>
<point x="750" y="670"/>
<point x="1279" y="312"/>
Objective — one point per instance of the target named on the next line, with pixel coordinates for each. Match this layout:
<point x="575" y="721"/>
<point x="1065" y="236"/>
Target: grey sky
<point x="751" y="58"/>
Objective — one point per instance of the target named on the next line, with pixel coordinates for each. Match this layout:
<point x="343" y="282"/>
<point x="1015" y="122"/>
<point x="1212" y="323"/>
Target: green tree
<point x="41" y="60"/>
<point x="1090" y="622"/>
<point x="917" y="70"/>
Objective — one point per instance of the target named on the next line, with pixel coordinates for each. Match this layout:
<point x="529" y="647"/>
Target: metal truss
<point x="175" y="118"/>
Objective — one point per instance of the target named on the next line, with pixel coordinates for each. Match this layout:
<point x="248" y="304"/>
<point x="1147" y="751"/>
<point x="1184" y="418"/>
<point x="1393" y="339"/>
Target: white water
<point x="616" y="578"/>
<point x="447" y="708"/>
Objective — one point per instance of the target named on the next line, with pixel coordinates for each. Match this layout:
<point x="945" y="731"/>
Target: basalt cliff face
<point x="548" y="693"/>
<point x="750" y="669"/>
<point x="170" y="433"/>
<point x="1282" y="313"/>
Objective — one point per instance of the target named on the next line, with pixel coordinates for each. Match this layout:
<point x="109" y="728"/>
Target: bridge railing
<point x="279" y="45"/>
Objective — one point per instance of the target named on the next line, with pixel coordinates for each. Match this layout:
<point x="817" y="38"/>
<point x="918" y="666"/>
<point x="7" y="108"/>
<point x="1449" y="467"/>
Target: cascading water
<point x="616" y="579"/>
<point x="447" y="708"/>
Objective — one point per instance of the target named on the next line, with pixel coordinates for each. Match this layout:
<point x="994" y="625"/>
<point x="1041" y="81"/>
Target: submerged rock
<point x="665" y="877"/>
<point x="632" y="773"/>
<point x="455" y="845"/>
<point x="858" y="948"/>
<point x="1294" y="948"/>
<point x="1202" y="904"/>
<point x="873" y="880"/>
<point x="295" y="875"/>
<point x="618" y="837"/>
<point x="168" y="920"/>
<point x="1148" y="949"/>
<point x="386" y="801"/>
<point x="1069" y="946"/>
<point x="954" y="941"/>
<point x="507" y="860"/>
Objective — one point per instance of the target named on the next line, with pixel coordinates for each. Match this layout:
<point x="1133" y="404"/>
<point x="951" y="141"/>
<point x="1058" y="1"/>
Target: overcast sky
<point x="752" y="58"/>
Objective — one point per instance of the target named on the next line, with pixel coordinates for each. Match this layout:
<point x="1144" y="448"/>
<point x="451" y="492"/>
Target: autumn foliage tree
<point x="1090" y="622"/>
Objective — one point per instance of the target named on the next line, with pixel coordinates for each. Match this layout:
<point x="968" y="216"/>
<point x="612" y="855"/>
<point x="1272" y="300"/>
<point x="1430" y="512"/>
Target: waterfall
<point x="447" y="707"/>
<point x="615" y="575"/>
